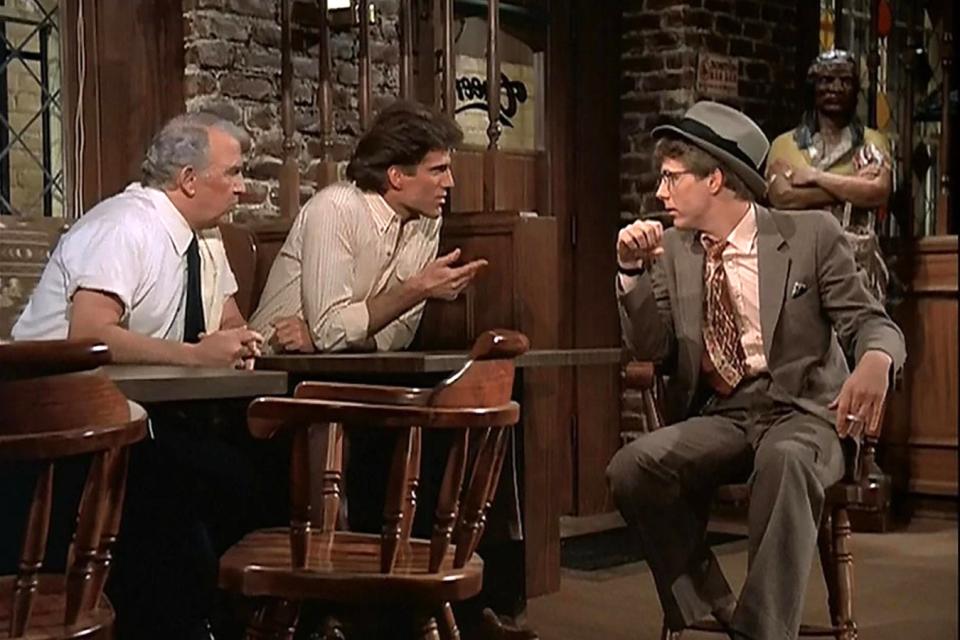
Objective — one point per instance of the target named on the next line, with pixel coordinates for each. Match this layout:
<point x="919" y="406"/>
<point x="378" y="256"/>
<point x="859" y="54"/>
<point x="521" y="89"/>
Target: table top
<point x="156" y="383"/>
<point x="427" y="361"/>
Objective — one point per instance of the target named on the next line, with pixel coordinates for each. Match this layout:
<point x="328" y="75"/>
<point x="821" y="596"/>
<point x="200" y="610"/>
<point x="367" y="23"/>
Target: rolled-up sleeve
<point x="110" y="261"/>
<point x="335" y="321"/>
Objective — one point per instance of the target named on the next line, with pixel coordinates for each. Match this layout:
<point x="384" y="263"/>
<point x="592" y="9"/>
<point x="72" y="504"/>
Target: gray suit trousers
<point x="663" y="484"/>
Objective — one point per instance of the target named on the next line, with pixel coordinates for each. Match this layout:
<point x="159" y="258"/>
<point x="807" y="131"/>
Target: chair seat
<point x="344" y="567"/>
<point x="46" y="620"/>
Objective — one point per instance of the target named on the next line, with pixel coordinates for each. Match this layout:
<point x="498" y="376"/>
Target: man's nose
<point x="447" y="181"/>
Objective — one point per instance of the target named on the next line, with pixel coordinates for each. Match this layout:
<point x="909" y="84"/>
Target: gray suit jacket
<point x="811" y="301"/>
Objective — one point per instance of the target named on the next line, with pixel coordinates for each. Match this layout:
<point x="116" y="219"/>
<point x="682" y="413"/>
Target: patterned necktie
<point x="193" y="322"/>
<point x="724" y="360"/>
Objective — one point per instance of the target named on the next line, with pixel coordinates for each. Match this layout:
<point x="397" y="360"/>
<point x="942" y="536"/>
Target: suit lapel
<point x="773" y="260"/>
<point x="690" y="289"/>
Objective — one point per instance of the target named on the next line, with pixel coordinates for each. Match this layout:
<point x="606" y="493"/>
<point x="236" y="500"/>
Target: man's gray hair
<point x="184" y="141"/>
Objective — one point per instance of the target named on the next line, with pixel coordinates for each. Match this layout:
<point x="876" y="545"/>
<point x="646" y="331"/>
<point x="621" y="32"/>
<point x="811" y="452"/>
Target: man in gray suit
<point x="748" y="310"/>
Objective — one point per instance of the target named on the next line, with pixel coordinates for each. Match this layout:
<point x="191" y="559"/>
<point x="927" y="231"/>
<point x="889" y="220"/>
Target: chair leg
<point x="427" y="629"/>
<point x="844" y="568"/>
<point x="448" y="623"/>
<point x="274" y="620"/>
<point x="667" y="634"/>
<point x="829" y="567"/>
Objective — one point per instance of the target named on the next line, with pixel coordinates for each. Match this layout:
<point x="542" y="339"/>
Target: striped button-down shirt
<point x="345" y="247"/>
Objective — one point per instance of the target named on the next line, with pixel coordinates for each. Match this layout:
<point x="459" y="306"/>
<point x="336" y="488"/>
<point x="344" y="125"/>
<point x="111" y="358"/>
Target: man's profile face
<point x="425" y="190"/>
<point x="219" y="185"/>
<point x="835" y="90"/>
<point x="685" y="196"/>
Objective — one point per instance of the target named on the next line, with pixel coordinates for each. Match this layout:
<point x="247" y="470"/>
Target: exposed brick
<point x="728" y="25"/>
<point x="741" y="47"/>
<point x="242" y="86"/>
<point x="210" y="53"/>
<point x="257" y="8"/>
<point x="196" y="83"/>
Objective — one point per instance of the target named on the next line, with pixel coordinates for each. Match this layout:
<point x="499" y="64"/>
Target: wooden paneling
<point x="596" y="215"/>
<point x="133" y="83"/>
<point x="516" y="179"/>
<point x="517" y="290"/>
<point x="920" y="436"/>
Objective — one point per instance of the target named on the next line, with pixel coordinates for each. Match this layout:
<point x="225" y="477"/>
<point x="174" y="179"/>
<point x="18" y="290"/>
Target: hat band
<point x="707" y="134"/>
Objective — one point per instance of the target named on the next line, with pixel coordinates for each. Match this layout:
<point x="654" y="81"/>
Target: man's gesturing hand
<point x="443" y="279"/>
<point x="639" y="241"/>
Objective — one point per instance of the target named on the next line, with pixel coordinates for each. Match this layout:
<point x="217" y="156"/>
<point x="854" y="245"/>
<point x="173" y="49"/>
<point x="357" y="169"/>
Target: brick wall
<point x="661" y="40"/>
<point x="233" y="69"/>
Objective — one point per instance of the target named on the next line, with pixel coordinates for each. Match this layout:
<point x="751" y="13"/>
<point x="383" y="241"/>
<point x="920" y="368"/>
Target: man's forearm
<point x="127" y="347"/>
<point x="391" y="304"/>
<point x="857" y="190"/>
<point x="785" y="196"/>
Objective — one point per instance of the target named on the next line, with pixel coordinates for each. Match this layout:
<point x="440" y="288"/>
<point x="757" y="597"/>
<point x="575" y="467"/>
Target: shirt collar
<point x="743" y="236"/>
<point x="383" y="214"/>
<point x="170" y="217"/>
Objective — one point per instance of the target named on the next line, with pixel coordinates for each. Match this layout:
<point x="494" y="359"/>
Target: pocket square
<point x="799" y="288"/>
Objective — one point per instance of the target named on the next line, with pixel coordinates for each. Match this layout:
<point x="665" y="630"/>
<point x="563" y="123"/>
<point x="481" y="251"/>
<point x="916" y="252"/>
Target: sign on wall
<point x="518" y="103"/>
<point x="717" y="76"/>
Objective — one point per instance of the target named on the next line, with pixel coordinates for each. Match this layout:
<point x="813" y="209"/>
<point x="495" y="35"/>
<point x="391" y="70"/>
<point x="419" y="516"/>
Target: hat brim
<point x="750" y="176"/>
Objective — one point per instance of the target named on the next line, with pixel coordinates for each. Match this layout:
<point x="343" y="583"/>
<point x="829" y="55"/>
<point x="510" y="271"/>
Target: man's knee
<point x="629" y="474"/>
<point x="785" y="457"/>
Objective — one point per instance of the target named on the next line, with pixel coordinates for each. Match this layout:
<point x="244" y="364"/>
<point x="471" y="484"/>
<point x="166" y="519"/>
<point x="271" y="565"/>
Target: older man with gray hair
<point x="144" y="270"/>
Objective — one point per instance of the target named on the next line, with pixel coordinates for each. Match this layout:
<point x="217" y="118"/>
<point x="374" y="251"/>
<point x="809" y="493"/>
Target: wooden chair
<point x="287" y="566"/>
<point x="57" y="403"/>
<point x="241" y="247"/>
<point x="861" y="481"/>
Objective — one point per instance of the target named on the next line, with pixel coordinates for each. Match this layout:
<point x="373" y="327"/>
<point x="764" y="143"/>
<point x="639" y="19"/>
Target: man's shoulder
<point x="124" y="216"/>
<point x="803" y="222"/>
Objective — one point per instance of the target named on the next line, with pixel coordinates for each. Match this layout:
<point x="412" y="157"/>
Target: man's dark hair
<point x="402" y="135"/>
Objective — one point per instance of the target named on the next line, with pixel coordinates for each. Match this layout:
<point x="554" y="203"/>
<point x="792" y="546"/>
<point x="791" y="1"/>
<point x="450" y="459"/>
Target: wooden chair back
<point x="58" y="403"/>
<point x="241" y="247"/>
<point x="473" y="405"/>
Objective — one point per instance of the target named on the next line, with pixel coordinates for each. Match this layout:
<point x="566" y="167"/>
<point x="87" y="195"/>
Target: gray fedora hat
<point x="726" y="134"/>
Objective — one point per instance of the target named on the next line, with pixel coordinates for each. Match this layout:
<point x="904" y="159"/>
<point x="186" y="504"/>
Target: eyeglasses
<point x="670" y="178"/>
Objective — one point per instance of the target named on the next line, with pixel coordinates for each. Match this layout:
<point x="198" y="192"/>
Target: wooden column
<point x="946" y="64"/>
<point x="493" y="108"/>
<point x="406" y="49"/>
<point x="290" y="172"/>
<point x="327" y="170"/>
<point x="449" y="74"/>
<point x="363" y="91"/>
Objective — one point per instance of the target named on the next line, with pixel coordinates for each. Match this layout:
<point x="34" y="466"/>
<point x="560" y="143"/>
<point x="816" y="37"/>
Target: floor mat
<point x="612" y="548"/>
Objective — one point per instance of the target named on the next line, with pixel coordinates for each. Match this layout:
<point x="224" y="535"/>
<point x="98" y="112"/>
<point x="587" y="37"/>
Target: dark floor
<point x="906" y="589"/>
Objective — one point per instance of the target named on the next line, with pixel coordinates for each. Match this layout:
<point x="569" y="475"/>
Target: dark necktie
<point x="724" y="361"/>
<point x="193" y="324"/>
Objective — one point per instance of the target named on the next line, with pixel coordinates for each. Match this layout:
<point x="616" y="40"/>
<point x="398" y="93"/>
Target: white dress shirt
<point x="132" y="245"/>
<point x="345" y="247"/>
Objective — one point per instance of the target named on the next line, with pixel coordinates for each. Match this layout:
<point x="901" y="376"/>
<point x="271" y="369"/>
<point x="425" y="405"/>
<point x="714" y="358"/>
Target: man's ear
<point x="716" y="181"/>
<point x="395" y="177"/>
<point x="187" y="181"/>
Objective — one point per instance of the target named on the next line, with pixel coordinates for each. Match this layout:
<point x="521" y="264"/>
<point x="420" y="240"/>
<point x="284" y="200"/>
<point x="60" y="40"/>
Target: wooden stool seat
<point x="49" y="610"/>
<point x="344" y="567"/>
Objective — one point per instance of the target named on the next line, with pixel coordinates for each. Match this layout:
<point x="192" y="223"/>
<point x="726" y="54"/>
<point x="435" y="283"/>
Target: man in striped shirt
<point x="361" y="257"/>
